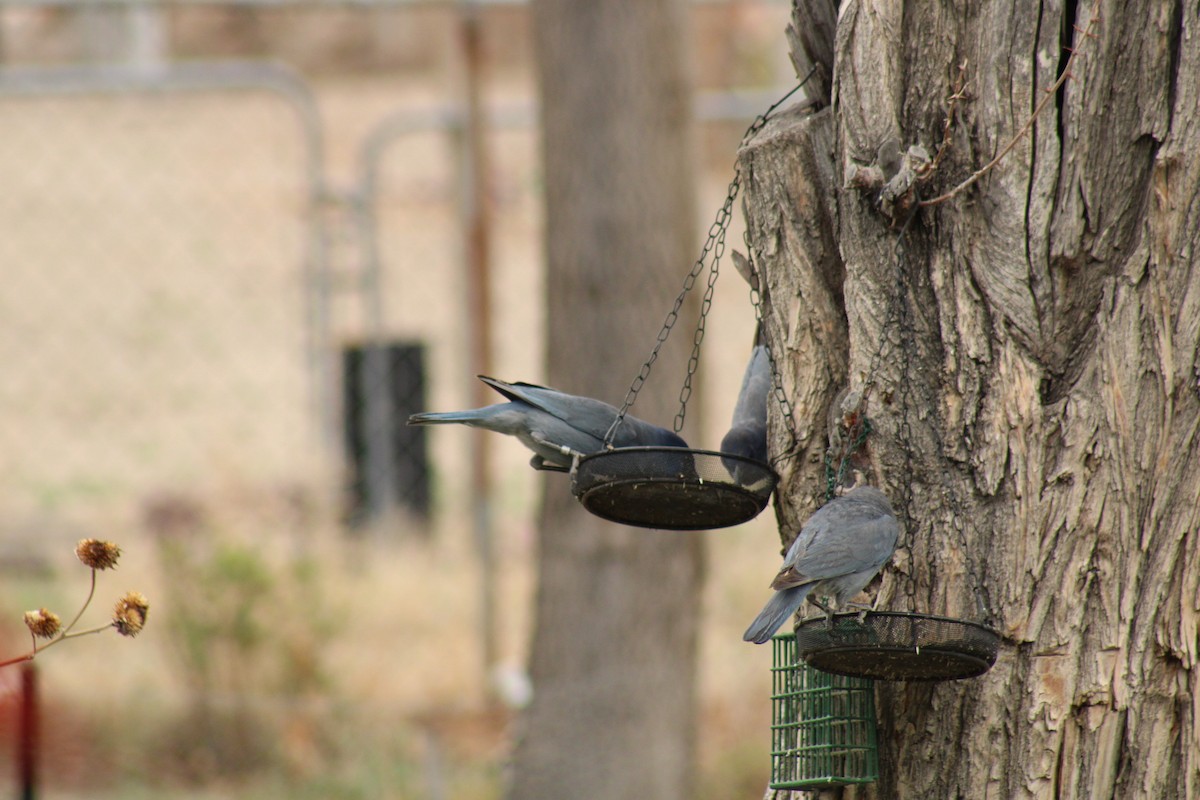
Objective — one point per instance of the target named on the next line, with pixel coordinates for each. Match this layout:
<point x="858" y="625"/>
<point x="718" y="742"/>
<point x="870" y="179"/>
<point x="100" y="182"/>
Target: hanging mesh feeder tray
<point x="822" y="726"/>
<point x="675" y="488"/>
<point x="897" y="646"/>
<point x="672" y="488"/>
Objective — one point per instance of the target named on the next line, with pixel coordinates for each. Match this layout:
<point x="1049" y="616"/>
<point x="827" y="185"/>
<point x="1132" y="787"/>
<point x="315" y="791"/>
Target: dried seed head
<point x="129" y="615"/>
<point x="97" y="554"/>
<point x="43" y="623"/>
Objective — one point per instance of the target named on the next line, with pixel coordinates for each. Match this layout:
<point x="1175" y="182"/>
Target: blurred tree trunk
<point x="1036" y="407"/>
<point x="614" y="648"/>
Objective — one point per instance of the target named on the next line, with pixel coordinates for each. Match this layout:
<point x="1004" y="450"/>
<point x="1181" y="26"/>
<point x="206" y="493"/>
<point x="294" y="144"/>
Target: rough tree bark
<point x="1037" y="402"/>
<point x="613" y="656"/>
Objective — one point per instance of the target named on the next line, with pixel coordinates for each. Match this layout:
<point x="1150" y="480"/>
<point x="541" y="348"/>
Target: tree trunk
<point x="1034" y="394"/>
<point x="613" y="656"/>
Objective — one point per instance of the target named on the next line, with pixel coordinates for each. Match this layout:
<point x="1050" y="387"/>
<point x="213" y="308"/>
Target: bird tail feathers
<point x="775" y="613"/>
<point x="444" y="418"/>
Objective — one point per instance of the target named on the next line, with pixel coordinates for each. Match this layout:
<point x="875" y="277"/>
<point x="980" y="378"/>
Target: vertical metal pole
<point x="148" y="37"/>
<point x="377" y="380"/>
<point x="379" y="428"/>
<point x="377" y="377"/>
<point x="478" y="255"/>
<point x="27" y="737"/>
<point x="318" y="293"/>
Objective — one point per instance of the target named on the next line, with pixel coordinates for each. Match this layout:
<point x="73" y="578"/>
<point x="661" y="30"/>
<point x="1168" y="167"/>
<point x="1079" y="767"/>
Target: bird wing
<point x="547" y="435"/>
<point x="593" y="417"/>
<point x="587" y="415"/>
<point x="843" y="537"/>
<point x="828" y="557"/>
<point x="747" y="435"/>
<point x="751" y="407"/>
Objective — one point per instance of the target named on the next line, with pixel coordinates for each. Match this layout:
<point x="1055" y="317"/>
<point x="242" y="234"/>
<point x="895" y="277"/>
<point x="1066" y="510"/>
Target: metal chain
<point x="721" y="225"/>
<point x="714" y="244"/>
<point x="897" y="307"/>
<point x="715" y="231"/>
<point x="785" y="404"/>
<point x="904" y="436"/>
<point x="908" y="402"/>
<point x="908" y="344"/>
<point x="894" y="318"/>
<point x="834" y="478"/>
<point x="897" y="318"/>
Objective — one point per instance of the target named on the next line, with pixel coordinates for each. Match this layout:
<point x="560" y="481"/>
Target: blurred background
<point x="234" y="258"/>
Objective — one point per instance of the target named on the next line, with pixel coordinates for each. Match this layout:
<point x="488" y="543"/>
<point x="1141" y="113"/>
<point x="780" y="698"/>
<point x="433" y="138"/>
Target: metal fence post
<point x="28" y="732"/>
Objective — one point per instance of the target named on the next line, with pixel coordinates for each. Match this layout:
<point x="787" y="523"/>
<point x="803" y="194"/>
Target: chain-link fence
<point x="201" y="261"/>
<point x="156" y="266"/>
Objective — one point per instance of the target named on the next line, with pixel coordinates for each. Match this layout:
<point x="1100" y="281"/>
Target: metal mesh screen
<point x="154" y="304"/>
<point x="823" y="725"/>
<point x="214" y="214"/>
<point x="893" y="645"/>
<point x="673" y="488"/>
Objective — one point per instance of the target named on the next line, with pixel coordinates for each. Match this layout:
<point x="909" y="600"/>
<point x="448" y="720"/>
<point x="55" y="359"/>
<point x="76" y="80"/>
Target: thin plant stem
<point x="86" y="603"/>
<point x="64" y="634"/>
<point x="16" y="660"/>
<point x="60" y="637"/>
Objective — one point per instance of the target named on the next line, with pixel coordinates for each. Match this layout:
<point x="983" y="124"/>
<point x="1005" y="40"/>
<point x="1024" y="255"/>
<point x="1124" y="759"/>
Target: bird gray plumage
<point x="838" y="551"/>
<point x="747" y="436"/>
<point x="553" y="424"/>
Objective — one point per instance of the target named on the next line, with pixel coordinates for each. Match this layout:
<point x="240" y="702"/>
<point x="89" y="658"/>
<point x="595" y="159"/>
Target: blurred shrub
<point x="248" y="631"/>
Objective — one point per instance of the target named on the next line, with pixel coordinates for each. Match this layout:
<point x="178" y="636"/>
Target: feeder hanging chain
<point x="959" y="518"/>
<point x="834" y="478"/>
<point x="896" y="318"/>
<point x="781" y="397"/>
<point x="715" y="232"/>
<point x="908" y="343"/>
<point x="715" y="244"/>
<point x="897" y="312"/>
<point x="899" y="318"/>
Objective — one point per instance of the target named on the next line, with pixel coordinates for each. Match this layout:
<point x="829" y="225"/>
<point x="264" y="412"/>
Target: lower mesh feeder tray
<point x="672" y="488"/>
<point x="897" y="646"/>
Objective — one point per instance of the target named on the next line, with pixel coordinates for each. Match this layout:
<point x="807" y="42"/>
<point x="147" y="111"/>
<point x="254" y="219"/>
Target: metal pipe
<point x="27" y="737"/>
<point x="477" y="252"/>
<point x="723" y="106"/>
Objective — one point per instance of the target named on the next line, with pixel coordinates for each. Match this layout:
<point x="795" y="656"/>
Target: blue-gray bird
<point x="556" y="426"/>
<point x="839" y="550"/>
<point x="747" y="436"/>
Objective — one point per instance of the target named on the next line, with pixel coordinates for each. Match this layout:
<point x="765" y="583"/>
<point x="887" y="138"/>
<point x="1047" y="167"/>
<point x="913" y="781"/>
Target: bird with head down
<point x="747" y="435"/>
<point x="556" y="426"/>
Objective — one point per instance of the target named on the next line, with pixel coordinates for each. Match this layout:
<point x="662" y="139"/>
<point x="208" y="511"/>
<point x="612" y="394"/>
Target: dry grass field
<point x="157" y="393"/>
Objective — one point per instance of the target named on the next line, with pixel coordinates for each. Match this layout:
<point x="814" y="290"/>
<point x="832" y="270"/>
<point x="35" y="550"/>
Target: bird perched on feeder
<point x="556" y="426"/>
<point x="838" y="551"/>
<point x="747" y="436"/>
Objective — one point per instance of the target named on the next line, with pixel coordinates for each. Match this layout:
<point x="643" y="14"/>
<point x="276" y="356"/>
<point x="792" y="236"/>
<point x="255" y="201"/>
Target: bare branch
<point x="959" y="93"/>
<point x="986" y="168"/>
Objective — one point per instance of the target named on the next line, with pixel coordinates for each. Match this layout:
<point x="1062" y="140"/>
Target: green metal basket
<point x="823" y="726"/>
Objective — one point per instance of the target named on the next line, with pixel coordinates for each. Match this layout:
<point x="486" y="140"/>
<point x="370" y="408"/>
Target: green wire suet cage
<point x="823" y="725"/>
